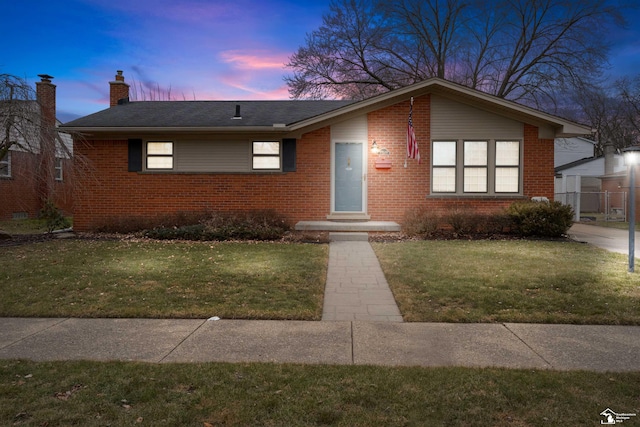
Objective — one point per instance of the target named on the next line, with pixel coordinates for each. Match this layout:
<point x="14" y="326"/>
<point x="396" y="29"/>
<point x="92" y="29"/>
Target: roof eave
<point x="563" y="128"/>
<point x="176" y="129"/>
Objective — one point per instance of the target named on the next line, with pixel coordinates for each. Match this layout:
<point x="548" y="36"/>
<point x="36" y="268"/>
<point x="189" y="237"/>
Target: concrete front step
<point x="348" y="237"/>
<point x="351" y="226"/>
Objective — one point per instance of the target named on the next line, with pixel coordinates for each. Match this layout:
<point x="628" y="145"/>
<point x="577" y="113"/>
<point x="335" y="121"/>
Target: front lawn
<point x="97" y="278"/>
<point x="510" y="281"/>
<point x="221" y="394"/>
<point x="433" y="281"/>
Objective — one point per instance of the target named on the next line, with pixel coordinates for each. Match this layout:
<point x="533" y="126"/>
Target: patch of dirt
<point x="23" y="239"/>
<point x="290" y="237"/>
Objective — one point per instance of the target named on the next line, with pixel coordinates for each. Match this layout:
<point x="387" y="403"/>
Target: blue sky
<point x="201" y="49"/>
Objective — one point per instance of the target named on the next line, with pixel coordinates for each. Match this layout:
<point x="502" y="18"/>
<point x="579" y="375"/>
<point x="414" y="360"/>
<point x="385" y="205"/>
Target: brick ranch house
<point x="313" y="160"/>
<point x="30" y="176"/>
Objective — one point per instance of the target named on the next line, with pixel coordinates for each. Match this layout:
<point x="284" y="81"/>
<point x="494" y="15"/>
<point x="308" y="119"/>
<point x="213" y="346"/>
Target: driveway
<point x="611" y="239"/>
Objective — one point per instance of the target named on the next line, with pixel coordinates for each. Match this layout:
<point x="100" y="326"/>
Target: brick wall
<point x="19" y="192"/>
<point x="109" y="193"/>
<point x="538" y="164"/>
<point x="392" y="191"/>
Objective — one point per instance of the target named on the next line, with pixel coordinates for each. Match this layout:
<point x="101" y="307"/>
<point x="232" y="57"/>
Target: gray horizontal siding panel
<point x="213" y="156"/>
<point x="452" y="120"/>
<point x="353" y="130"/>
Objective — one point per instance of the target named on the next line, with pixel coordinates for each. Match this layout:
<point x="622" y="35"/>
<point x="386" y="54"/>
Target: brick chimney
<point x="118" y="90"/>
<point x="46" y="97"/>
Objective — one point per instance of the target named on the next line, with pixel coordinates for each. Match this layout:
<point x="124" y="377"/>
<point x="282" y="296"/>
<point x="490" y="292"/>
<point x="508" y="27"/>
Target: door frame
<point x="365" y="164"/>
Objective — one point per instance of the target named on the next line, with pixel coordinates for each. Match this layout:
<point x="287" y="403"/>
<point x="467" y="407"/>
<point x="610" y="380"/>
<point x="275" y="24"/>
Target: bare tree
<point x="517" y="49"/>
<point x="612" y="110"/>
<point x="144" y="90"/>
<point x="630" y="94"/>
<point x="19" y="115"/>
<point x="25" y="129"/>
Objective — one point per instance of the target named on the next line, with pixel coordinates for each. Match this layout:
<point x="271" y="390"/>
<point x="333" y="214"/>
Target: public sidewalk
<point x="510" y="345"/>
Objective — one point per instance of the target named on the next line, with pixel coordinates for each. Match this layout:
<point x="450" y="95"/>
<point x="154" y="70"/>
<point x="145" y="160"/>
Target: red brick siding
<point x="392" y="191"/>
<point x="110" y="192"/>
<point x="22" y="191"/>
<point x="538" y="164"/>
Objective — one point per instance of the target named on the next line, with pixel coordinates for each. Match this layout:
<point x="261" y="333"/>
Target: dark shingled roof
<point x="206" y="113"/>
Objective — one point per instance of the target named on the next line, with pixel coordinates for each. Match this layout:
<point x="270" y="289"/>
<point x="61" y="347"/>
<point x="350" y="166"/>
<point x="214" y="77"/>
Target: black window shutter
<point x="288" y="155"/>
<point x="135" y="155"/>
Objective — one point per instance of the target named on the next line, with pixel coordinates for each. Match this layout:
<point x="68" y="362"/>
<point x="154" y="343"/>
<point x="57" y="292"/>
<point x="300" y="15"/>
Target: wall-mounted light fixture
<point x="379" y="150"/>
<point x="381" y="163"/>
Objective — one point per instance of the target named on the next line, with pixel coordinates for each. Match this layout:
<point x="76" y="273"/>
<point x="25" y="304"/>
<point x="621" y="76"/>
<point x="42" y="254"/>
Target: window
<point x="5" y="165"/>
<point x="58" y="169"/>
<point x="160" y="155"/>
<point x="444" y="167"/>
<point x="507" y="166"/>
<point x="266" y="155"/>
<point x="471" y="167"/>
<point x="475" y="166"/>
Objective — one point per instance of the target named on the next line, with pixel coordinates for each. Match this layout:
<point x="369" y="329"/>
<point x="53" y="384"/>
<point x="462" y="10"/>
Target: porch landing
<point x="348" y="226"/>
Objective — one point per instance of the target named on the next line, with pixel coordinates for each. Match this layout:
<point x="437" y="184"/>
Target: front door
<point x="349" y="177"/>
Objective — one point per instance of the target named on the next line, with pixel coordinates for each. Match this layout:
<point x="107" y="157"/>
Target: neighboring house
<point x="32" y="174"/>
<point x="579" y="175"/>
<point x="312" y="160"/>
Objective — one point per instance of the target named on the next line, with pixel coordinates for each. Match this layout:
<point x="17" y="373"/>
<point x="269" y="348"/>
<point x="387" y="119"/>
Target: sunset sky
<point x="201" y="49"/>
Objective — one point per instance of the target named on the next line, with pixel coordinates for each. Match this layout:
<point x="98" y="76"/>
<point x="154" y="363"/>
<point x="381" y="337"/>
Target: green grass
<point x="24" y="226"/>
<point x="85" y="278"/>
<point x="443" y="281"/>
<point x="510" y="281"/>
<point x="118" y="394"/>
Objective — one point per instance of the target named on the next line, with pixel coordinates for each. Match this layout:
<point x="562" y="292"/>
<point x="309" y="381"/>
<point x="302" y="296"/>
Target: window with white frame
<point x="507" y="175"/>
<point x="159" y="155"/>
<point x="266" y="155"/>
<point x="476" y="167"/>
<point x="443" y="176"/>
<point x="58" y="169"/>
<point x="5" y="165"/>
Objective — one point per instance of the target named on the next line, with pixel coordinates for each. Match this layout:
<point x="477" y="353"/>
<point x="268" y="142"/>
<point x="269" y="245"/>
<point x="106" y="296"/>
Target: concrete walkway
<point x="509" y="345"/>
<point x="356" y="288"/>
<point x="611" y="239"/>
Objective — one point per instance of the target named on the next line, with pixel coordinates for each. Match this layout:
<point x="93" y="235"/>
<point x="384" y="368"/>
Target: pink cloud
<point x="254" y="60"/>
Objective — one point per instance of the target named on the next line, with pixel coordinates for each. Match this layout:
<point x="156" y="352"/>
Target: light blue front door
<point x="348" y="177"/>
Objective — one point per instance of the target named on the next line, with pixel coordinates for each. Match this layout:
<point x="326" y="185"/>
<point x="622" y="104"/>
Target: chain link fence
<point x="600" y="206"/>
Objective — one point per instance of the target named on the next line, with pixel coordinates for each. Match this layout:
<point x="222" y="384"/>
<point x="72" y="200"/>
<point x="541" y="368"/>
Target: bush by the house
<point x="134" y="224"/>
<point x="541" y="219"/>
<point x="466" y="222"/>
<point x="462" y="221"/>
<point x="55" y="220"/>
<point x="420" y="222"/>
<point x="254" y="225"/>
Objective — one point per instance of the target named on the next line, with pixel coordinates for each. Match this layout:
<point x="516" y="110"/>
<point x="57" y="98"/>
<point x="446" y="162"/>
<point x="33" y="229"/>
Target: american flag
<point x="412" y="144"/>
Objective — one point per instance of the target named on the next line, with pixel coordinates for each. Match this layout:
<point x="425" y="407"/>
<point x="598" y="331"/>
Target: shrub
<point x="420" y="221"/>
<point x="493" y="223"/>
<point x="254" y="225"/>
<point x="541" y="219"/>
<point x="462" y="221"/>
<point x="55" y="220"/>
